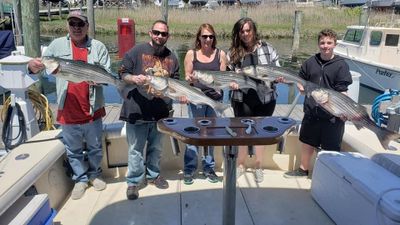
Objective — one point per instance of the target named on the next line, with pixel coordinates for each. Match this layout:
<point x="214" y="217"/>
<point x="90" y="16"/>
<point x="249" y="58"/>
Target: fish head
<point x="51" y="64"/>
<point x="158" y="83"/>
<point x="203" y="77"/>
<point x="320" y="96"/>
<point x="149" y="71"/>
<point x="156" y="71"/>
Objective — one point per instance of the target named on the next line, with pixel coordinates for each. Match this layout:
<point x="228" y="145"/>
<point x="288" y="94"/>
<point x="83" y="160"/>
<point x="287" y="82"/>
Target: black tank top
<point x="212" y="66"/>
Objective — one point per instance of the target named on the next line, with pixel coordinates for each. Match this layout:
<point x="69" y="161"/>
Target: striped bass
<point x="222" y="79"/>
<point x="269" y="73"/>
<point x="174" y="89"/>
<point x="340" y="105"/>
<point x="78" y="71"/>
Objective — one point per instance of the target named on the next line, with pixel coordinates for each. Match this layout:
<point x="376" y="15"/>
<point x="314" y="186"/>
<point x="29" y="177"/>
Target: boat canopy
<point x="389" y="37"/>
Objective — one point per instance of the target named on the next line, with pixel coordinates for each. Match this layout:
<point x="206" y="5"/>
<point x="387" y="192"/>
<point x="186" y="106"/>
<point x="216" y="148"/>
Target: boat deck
<point x="276" y="201"/>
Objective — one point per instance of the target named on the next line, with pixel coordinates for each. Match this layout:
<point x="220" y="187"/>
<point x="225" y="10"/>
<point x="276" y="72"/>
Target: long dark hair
<point x="208" y="27"/>
<point x="238" y="48"/>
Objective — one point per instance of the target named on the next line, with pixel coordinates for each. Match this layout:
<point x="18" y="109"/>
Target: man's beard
<point x="158" y="48"/>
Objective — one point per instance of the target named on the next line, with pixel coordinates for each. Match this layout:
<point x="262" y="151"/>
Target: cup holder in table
<point x="285" y="120"/>
<point x="270" y="129"/>
<point x="170" y="121"/>
<point x="191" y="129"/>
<point x="204" y="122"/>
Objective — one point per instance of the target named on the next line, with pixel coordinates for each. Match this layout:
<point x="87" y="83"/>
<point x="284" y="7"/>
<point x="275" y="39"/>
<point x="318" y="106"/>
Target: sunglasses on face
<point x="211" y="37"/>
<point x="156" y="33"/>
<point x="77" y="24"/>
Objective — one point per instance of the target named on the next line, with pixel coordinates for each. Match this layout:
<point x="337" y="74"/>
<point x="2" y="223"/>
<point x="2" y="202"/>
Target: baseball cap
<point x="78" y="14"/>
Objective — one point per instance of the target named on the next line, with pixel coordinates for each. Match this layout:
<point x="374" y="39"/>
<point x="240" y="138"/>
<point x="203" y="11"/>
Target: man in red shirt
<point x="80" y="105"/>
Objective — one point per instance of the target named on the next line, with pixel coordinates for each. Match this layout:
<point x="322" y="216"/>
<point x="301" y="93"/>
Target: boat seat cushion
<point x="390" y="162"/>
<point x="366" y="142"/>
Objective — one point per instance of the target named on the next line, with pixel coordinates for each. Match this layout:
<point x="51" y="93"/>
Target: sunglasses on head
<point x="211" y="37"/>
<point x="77" y="24"/>
<point x="156" y="33"/>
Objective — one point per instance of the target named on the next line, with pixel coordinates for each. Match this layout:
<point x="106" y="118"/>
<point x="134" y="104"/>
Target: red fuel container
<point x="126" y="35"/>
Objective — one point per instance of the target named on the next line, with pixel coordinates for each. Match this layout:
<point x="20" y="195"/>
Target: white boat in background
<point x="373" y="52"/>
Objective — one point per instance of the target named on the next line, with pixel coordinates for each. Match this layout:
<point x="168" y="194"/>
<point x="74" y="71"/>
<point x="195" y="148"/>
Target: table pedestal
<point x="229" y="185"/>
<point x="230" y="133"/>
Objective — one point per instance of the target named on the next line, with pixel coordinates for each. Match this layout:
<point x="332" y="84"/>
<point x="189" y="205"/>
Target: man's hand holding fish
<point x="35" y="65"/>
<point x="136" y="79"/>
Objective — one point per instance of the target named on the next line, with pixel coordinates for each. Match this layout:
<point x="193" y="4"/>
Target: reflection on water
<point x="181" y="45"/>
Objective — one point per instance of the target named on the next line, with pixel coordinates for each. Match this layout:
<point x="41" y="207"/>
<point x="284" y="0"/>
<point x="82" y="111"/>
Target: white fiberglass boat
<point x="374" y="52"/>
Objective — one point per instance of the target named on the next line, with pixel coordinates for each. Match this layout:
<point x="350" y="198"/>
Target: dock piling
<point x="296" y="34"/>
<point x="30" y="27"/>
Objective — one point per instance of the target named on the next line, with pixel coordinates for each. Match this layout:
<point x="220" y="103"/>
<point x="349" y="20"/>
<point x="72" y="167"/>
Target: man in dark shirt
<point x="143" y="107"/>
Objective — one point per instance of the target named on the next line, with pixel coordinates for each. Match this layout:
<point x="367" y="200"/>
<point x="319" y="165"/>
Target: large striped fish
<point x="219" y="80"/>
<point x="269" y="73"/>
<point x="340" y="105"/>
<point x="174" y="89"/>
<point x="78" y="71"/>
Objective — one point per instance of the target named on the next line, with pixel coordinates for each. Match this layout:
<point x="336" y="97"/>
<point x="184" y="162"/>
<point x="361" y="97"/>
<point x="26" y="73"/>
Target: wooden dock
<point x="56" y="11"/>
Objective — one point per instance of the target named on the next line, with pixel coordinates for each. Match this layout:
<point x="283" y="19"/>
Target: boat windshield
<point x="353" y="35"/>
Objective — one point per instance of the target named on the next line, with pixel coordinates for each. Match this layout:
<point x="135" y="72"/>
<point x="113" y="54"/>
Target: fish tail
<point x="224" y="110"/>
<point x="228" y="113"/>
<point x="386" y="136"/>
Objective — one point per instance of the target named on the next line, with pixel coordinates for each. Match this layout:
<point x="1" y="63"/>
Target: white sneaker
<point x="98" y="184"/>
<point x="239" y="171"/>
<point x="79" y="190"/>
<point x="258" y="175"/>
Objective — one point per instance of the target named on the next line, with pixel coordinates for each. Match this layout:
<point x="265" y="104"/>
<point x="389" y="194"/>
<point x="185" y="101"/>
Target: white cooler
<point x="353" y="190"/>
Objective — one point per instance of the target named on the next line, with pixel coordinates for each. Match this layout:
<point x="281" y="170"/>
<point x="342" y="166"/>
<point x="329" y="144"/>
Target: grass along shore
<point x="273" y="20"/>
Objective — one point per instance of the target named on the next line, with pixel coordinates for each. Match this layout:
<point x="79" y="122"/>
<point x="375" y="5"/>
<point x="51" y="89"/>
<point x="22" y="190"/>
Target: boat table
<point x="230" y="133"/>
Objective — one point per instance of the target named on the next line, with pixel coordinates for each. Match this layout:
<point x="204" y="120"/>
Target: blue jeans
<point x="73" y="137"/>
<point x="137" y="134"/>
<point x="191" y="151"/>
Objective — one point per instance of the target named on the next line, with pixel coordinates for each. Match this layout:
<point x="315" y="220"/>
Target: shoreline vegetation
<point x="274" y="20"/>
